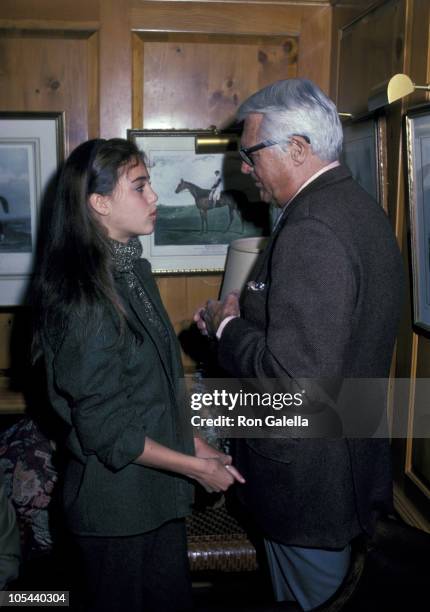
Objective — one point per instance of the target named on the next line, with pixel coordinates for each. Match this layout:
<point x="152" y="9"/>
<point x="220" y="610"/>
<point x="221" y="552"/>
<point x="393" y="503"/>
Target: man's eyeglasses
<point x="246" y="152"/>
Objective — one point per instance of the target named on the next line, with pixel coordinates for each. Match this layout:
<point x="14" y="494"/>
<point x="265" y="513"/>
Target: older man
<point x="324" y="302"/>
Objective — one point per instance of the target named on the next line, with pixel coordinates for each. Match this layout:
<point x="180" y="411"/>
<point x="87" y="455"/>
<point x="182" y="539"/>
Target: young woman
<point x="113" y="371"/>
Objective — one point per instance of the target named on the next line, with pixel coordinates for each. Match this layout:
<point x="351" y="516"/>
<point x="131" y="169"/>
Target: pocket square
<point x="255" y="286"/>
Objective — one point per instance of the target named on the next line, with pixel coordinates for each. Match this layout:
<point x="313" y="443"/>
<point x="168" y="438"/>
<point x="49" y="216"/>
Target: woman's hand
<point x="204" y="450"/>
<point x="214" y="475"/>
<point x="207" y="451"/>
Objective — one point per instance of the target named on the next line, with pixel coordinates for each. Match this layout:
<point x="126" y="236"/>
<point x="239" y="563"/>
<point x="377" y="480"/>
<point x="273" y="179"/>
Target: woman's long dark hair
<point x="74" y="267"/>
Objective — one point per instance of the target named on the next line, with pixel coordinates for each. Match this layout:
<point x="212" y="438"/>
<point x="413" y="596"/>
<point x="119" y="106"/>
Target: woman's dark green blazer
<point x="112" y="393"/>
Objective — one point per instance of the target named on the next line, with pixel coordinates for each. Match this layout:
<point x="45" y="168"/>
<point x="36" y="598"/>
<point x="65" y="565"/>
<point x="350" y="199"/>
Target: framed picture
<point x="365" y="154"/>
<point x="31" y="147"/>
<point x="418" y="170"/>
<point x="204" y="202"/>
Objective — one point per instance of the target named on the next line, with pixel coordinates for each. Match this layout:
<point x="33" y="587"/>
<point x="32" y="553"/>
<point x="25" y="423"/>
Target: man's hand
<point x="210" y="316"/>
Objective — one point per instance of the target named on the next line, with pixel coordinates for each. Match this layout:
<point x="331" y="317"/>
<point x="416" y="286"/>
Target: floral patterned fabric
<point x="26" y="460"/>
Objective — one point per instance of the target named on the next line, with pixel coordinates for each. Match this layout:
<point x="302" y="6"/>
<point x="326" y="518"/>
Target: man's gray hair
<point x="297" y="106"/>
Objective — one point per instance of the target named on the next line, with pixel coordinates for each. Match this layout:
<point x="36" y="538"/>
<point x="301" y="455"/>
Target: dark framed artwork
<point x="204" y="201"/>
<point x="417" y="123"/>
<point x="31" y="148"/>
<point x="365" y="154"/>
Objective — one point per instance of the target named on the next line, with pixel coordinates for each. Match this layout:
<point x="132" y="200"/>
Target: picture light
<point x="399" y="86"/>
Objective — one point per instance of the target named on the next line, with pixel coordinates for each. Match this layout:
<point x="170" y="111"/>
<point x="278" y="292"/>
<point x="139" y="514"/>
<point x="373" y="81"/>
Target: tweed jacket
<point x="330" y="306"/>
<point x="112" y="395"/>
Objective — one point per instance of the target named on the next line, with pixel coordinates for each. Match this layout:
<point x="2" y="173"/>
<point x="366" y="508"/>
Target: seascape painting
<point x="15" y="205"/>
<point x="31" y="147"/>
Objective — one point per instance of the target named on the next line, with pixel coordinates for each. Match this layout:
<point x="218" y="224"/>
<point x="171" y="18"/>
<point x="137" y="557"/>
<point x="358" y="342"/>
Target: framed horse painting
<point x="204" y="202"/>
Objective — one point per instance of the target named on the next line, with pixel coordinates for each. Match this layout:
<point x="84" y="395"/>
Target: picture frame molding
<point x="378" y="123"/>
<point x="421" y="311"/>
<point x="13" y="284"/>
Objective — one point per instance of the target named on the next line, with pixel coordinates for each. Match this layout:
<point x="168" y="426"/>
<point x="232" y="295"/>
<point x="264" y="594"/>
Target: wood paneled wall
<point x="199" y="79"/>
<point x="371" y="51"/>
<point x="394" y="37"/>
<point x="59" y="70"/>
<point x="115" y="64"/>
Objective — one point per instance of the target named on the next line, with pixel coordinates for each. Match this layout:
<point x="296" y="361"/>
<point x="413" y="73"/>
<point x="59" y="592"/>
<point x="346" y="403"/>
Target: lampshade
<point x="399" y="86"/>
<point x="241" y="257"/>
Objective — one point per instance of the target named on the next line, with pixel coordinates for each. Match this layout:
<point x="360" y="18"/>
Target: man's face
<point x="273" y="168"/>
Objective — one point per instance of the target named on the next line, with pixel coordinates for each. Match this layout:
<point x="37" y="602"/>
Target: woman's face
<point x="132" y="205"/>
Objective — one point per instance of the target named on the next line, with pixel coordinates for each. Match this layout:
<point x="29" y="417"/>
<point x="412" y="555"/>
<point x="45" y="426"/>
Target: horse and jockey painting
<point x="204" y="201"/>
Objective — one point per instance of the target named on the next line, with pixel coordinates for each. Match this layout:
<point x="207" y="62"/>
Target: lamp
<point x="241" y="257"/>
<point x="399" y="86"/>
<point x="216" y="141"/>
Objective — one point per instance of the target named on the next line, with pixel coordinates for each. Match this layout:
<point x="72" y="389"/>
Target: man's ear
<point x="299" y="150"/>
<point x="100" y="204"/>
